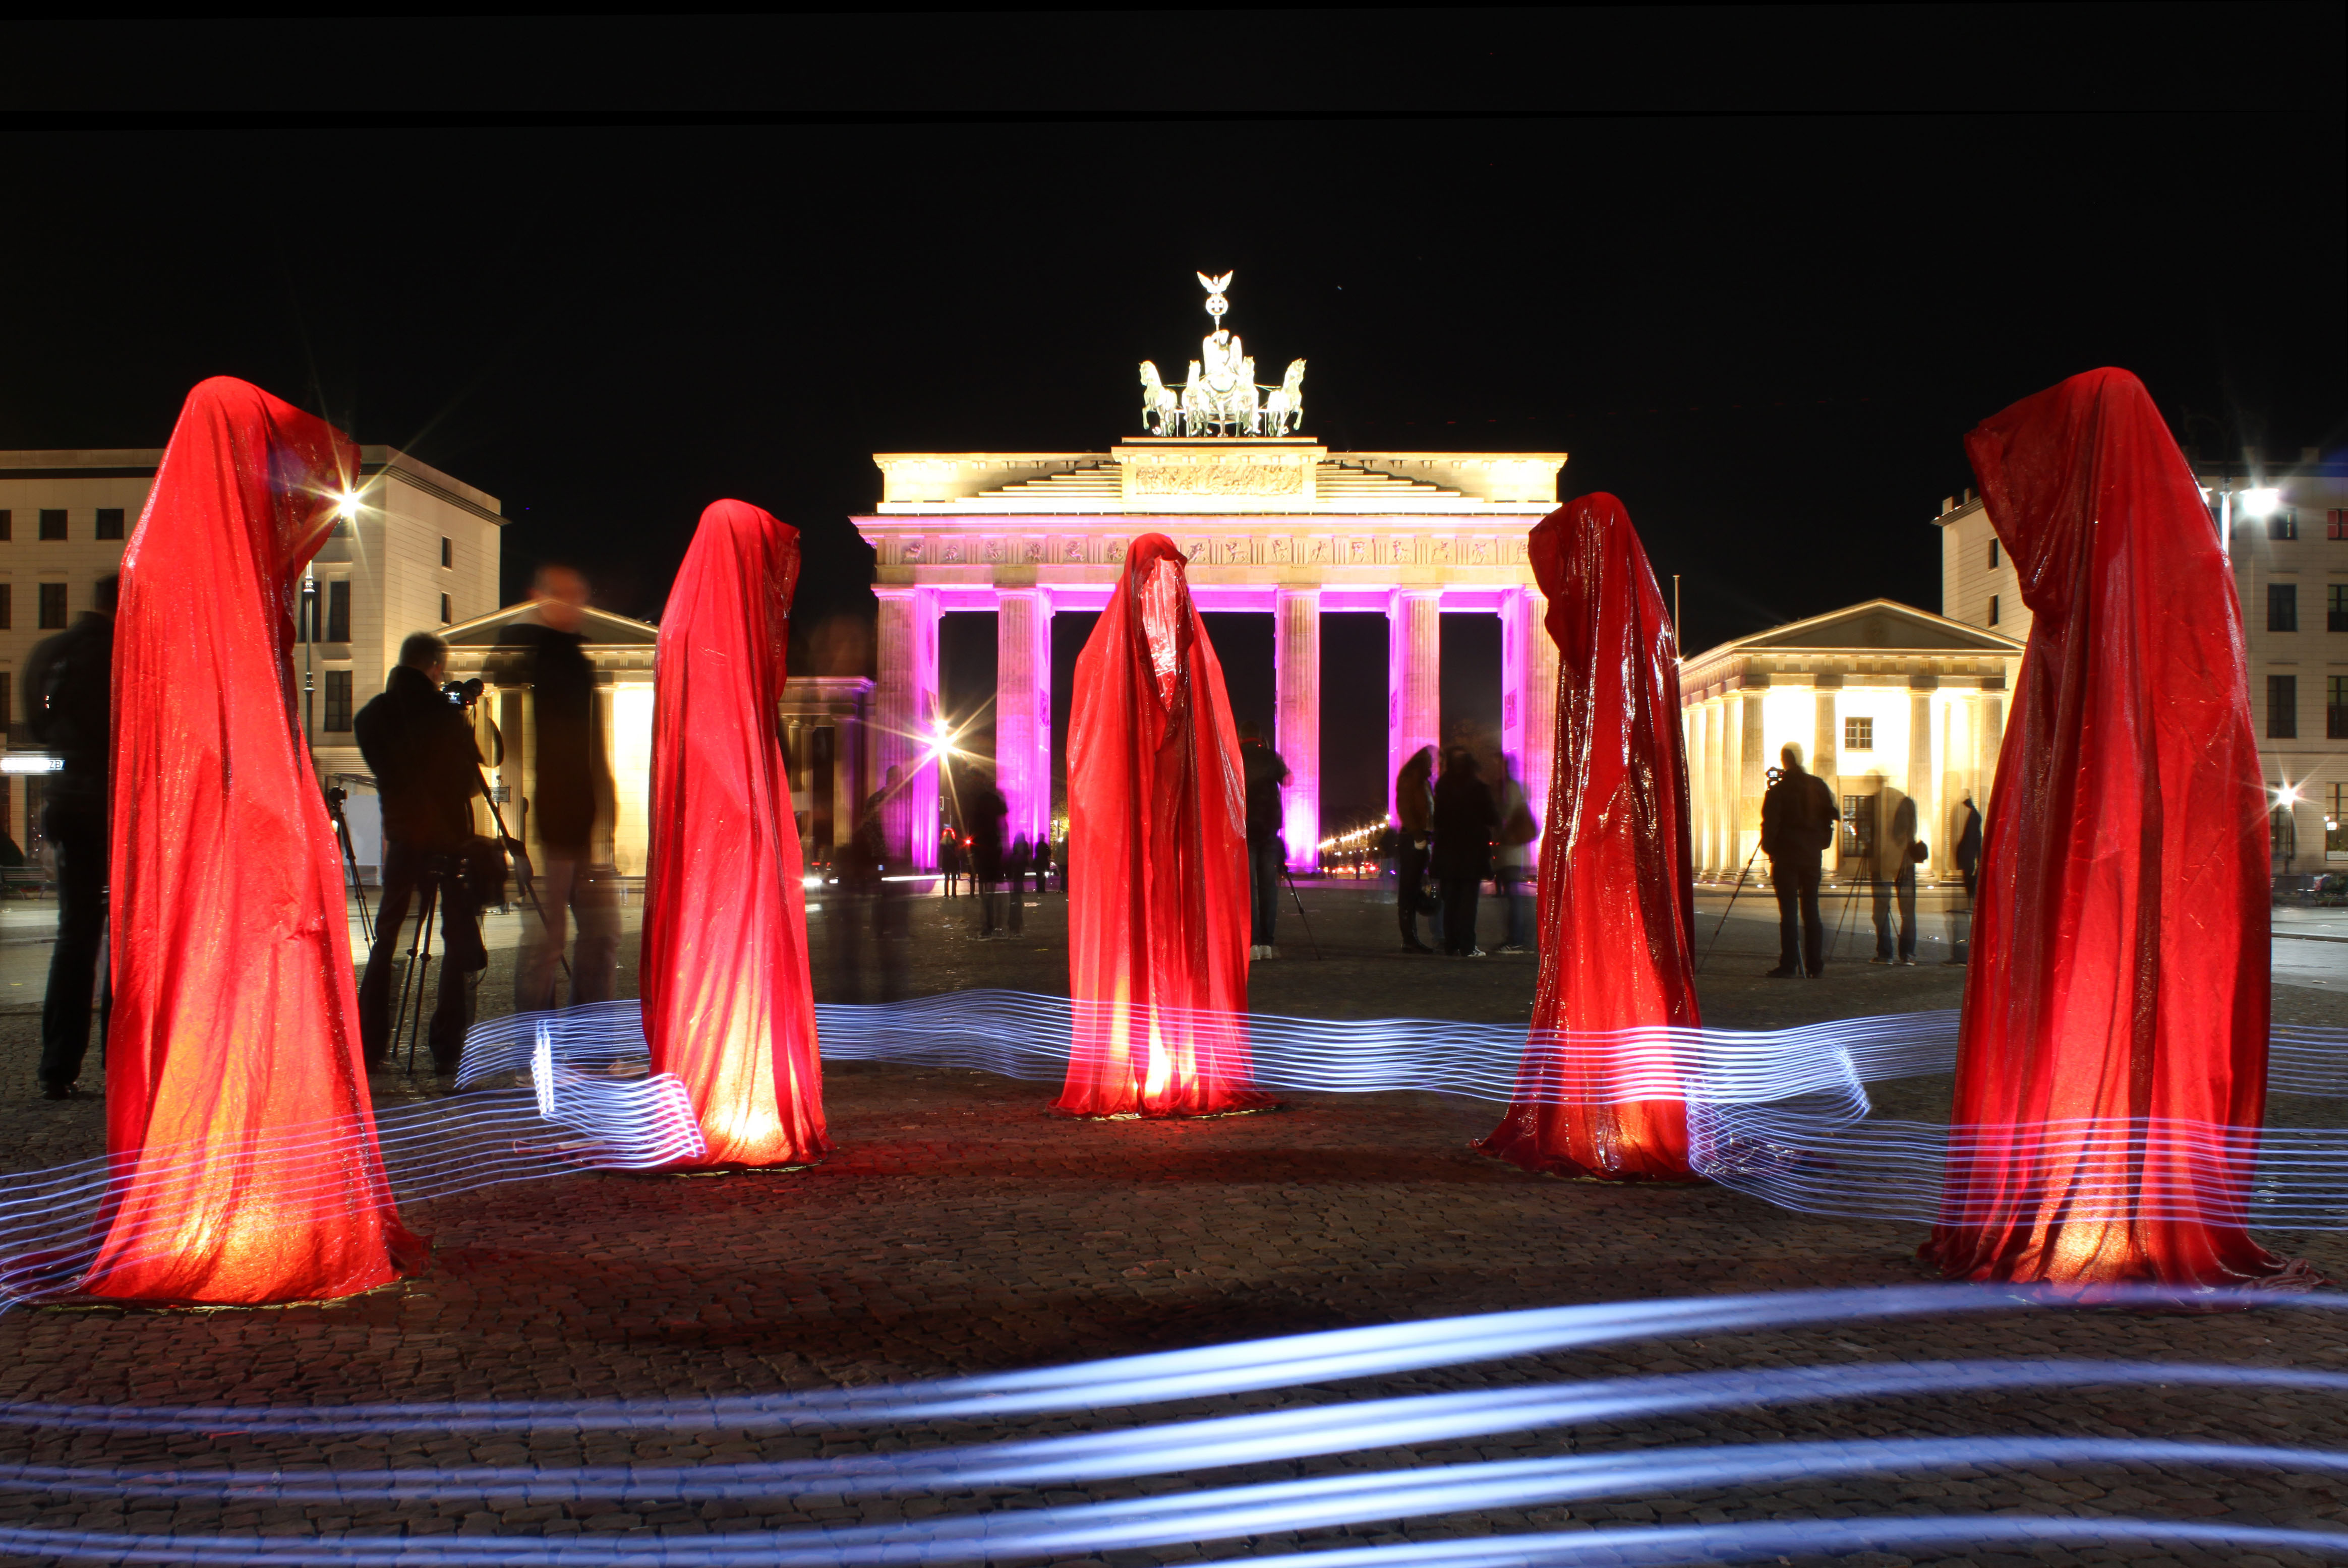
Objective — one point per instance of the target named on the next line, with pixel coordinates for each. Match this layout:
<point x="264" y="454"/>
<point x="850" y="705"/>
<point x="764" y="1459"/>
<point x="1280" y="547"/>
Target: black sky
<point x="1767" y="331"/>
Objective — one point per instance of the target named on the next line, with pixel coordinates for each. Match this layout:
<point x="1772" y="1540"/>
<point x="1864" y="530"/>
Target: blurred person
<point x="950" y="861"/>
<point x="572" y="797"/>
<point x="1264" y="774"/>
<point x="1968" y="858"/>
<point x="1465" y="821"/>
<point x="1893" y="875"/>
<point x="68" y="699"/>
<point x="986" y="812"/>
<point x="1513" y="870"/>
<point x="1413" y="833"/>
<point x="1797" y="825"/>
<point x="849" y="907"/>
<point x="891" y="923"/>
<point x="1014" y="865"/>
<point x="426" y="770"/>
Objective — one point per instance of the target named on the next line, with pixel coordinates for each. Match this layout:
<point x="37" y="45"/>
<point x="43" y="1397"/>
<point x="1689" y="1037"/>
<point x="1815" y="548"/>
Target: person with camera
<point x="427" y="768"/>
<point x="1798" y="819"/>
<point x="69" y="694"/>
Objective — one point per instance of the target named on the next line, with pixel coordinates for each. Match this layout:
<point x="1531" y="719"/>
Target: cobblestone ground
<point x="959" y="1228"/>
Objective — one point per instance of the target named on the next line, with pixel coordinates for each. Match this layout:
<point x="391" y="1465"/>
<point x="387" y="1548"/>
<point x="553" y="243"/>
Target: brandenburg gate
<point x="1271" y="522"/>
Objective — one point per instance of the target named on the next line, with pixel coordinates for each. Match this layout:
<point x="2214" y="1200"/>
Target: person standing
<point x="1968" y="858"/>
<point x="987" y="809"/>
<point x="1413" y="831"/>
<point x="1797" y="825"/>
<point x="950" y="861"/>
<point x="1513" y="870"/>
<point x="1264" y="774"/>
<point x="69" y="695"/>
<point x="572" y="797"/>
<point x="1895" y="875"/>
<point x="1022" y="857"/>
<point x="891" y="924"/>
<point x="1465" y="821"/>
<point x="427" y="772"/>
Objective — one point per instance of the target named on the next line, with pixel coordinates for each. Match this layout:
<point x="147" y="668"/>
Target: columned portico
<point x="905" y="707"/>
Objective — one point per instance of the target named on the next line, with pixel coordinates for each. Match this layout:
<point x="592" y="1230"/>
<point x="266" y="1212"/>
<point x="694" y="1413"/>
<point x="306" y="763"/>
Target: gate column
<point x="1296" y="718"/>
<point x="1022" y="709"/>
<point x="1414" y="677"/>
<point x="904" y="701"/>
<point x="1528" y="699"/>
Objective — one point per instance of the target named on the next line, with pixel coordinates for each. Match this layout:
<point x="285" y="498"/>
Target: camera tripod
<point x="1286" y="876"/>
<point x="336" y="795"/>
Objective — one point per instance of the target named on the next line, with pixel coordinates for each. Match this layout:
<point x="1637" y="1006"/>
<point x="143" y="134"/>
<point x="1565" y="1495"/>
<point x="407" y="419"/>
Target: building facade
<point x="415" y="550"/>
<point x="1891" y="706"/>
<point x="2287" y="517"/>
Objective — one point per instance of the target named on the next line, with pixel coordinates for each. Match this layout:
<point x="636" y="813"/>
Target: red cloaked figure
<point x="1617" y="873"/>
<point x="1157" y="917"/>
<point x="2111" y="1063"/>
<point x="243" y="1142"/>
<point x="727" y="1003"/>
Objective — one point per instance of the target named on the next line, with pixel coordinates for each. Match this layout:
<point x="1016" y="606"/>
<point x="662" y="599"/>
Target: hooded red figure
<point x="727" y="1004"/>
<point x="1617" y="873"/>
<point x="2111" y="1063"/>
<point x="237" y="1119"/>
<point x="1158" y="845"/>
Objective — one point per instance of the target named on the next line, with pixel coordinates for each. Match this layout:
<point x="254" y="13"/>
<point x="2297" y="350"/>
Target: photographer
<point x="68" y="686"/>
<point x="427" y="770"/>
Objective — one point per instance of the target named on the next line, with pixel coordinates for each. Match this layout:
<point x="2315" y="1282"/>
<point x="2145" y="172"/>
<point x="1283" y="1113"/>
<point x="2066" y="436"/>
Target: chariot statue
<point x="1221" y="396"/>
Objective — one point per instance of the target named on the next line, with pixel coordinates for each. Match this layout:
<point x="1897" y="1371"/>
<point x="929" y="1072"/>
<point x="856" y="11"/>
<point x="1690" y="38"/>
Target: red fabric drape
<point x="1617" y="874"/>
<point x="237" y="1112"/>
<point x="727" y="1004"/>
<point x="1157" y="905"/>
<point x="2119" y="976"/>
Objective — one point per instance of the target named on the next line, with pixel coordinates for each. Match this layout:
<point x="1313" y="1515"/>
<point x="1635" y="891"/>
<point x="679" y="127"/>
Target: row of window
<point x="2283" y="607"/>
<point x="51" y="604"/>
<point x="2282" y="707"/>
<point x="51" y="522"/>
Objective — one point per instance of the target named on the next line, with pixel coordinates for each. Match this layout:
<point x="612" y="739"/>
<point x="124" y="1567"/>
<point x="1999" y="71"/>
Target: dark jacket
<point x="1265" y="773"/>
<point x="68" y="697"/>
<point x="427" y="768"/>
<point x="1465" y="819"/>
<point x="573" y="779"/>
<point x="988" y="809"/>
<point x="1412" y="802"/>
<point x="1968" y="841"/>
<point x="1798" y="816"/>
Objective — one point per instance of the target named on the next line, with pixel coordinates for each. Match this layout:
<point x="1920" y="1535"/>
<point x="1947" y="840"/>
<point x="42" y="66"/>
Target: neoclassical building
<point x="1888" y="702"/>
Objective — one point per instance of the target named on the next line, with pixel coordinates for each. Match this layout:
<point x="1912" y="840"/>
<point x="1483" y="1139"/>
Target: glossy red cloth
<point x="727" y="1003"/>
<point x="237" y="1115"/>
<point x="1157" y="907"/>
<point x="1617" y="873"/>
<point x="2119" y="970"/>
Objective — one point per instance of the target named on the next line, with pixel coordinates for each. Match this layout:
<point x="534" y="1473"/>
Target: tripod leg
<point x="422" y="967"/>
<point x="1296" y="899"/>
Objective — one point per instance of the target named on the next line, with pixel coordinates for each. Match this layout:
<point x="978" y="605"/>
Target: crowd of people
<point x="1459" y="832"/>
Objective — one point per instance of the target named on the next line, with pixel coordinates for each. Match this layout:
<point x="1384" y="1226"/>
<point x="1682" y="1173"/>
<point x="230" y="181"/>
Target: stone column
<point x="1752" y="776"/>
<point x="1022" y="709"/>
<point x="1528" y="699"/>
<point x="1826" y="746"/>
<point x="1729" y="784"/>
<point x="1296" y="718"/>
<point x="904" y="702"/>
<point x="1924" y="778"/>
<point x="1414" y="677"/>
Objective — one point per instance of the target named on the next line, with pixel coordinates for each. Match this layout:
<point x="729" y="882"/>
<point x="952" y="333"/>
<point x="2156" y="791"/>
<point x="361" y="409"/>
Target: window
<point x="2283" y="525"/>
<point x="446" y="618"/>
<point x="2335" y="708"/>
<point x="2283" y="607"/>
<point x="53" y="524"/>
<point x="1993" y="555"/>
<point x="1858" y="735"/>
<point x="2282" y="836"/>
<point x="8" y="523"/>
<point x="7" y="712"/>
<point x="1992" y="609"/>
<point x="2335" y="821"/>
<point x="448" y="551"/>
<point x="53" y="606"/>
<point x="110" y="522"/>
<point x="2335" y="525"/>
<point x="2282" y="707"/>
<point x="1858" y="825"/>
<point x="7" y="607"/>
<point x="338" y="699"/>
<point x="338" y="610"/>
<point x="2336" y="606"/>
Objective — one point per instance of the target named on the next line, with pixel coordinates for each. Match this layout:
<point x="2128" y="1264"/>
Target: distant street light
<point x="2262" y="504"/>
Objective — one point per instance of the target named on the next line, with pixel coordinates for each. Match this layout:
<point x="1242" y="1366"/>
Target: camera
<point x="463" y="693"/>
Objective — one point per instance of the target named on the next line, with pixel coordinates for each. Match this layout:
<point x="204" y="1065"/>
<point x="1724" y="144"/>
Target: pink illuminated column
<point x="1296" y="722"/>
<point x="1022" y="709"/>
<point x="1414" y="676"/>
<point x="1528" y="695"/>
<point x="904" y="703"/>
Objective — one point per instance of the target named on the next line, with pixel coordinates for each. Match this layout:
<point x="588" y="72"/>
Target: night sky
<point x="1767" y="331"/>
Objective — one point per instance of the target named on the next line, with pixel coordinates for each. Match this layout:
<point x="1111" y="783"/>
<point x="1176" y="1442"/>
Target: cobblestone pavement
<point x="959" y="1228"/>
